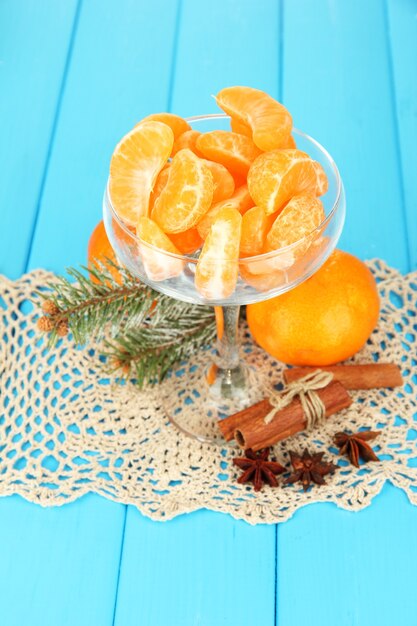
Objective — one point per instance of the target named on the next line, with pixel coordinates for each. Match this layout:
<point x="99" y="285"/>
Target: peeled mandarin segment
<point x="158" y="265"/>
<point x="262" y="281"/>
<point x="224" y="184"/>
<point x="100" y="251"/>
<point x="176" y="123"/>
<point x="187" y="242"/>
<point x="276" y="176"/>
<point x="255" y="225"/>
<point x="240" y="200"/>
<point x="240" y="127"/>
<point x="300" y="217"/>
<point x="290" y="144"/>
<point x="269" y="120"/>
<point x="187" y="196"/>
<point x="135" y="164"/>
<point x="234" y="151"/>
<point x="160" y="182"/>
<point x="187" y="140"/>
<point x="322" y="183"/>
<point x="217" y="267"/>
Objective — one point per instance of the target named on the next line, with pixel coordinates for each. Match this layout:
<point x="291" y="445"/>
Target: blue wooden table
<point x="75" y="75"/>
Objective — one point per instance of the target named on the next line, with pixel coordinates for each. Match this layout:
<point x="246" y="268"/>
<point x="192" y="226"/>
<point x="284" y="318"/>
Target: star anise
<point x="355" y="445"/>
<point x="258" y="469"/>
<point x="309" y="468"/>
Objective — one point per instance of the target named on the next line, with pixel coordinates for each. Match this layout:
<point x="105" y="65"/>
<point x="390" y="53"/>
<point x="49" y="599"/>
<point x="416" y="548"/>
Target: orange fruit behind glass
<point x="100" y="251"/>
<point x="326" y="319"/>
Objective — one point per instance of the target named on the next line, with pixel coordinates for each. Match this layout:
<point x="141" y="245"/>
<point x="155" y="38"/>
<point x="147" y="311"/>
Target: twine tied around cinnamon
<point x="305" y="388"/>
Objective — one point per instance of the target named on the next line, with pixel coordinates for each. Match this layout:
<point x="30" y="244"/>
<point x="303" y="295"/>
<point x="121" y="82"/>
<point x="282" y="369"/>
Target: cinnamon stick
<point x="253" y="432"/>
<point x="228" y="425"/>
<point x="367" y="376"/>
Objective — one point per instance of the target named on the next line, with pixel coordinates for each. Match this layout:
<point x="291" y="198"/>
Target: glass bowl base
<point x="196" y="396"/>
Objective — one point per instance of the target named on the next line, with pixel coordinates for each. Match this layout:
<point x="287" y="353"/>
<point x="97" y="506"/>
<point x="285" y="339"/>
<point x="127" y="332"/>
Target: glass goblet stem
<point x="228" y="374"/>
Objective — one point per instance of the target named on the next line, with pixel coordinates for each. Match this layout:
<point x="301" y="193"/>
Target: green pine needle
<point x="144" y="332"/>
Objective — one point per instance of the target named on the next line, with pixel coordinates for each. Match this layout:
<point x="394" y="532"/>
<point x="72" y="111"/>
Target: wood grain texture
<point x="401" y="24"/>
<point x="59" y="565"/>
<point x="337" y="86"/>
<point x="119" y="72"/>
<point x="45" y="567"/>
<point x="34" y="44"/>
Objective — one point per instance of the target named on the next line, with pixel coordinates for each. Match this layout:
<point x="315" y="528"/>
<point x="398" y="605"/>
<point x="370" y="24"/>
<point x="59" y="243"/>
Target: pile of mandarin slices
<point x="222" y="196"/>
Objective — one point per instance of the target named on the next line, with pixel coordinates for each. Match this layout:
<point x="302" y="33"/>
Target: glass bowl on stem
<point x="217" y="383"/>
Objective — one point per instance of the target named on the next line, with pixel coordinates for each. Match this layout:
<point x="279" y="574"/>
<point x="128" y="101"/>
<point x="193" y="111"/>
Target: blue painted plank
<point x="402" y="29"/>
<point x="337" y="85"/>
<point x="34" y="41"/>
<point x="350" y="108"/>
<point x="232" y="43"/>
<point x="119" y="72"/>
<point x="59" y="565"/>
<point x="45" y="569"/>
<point x="349" y="569"/>
<point x="198" y="564"/>
<point x="198" y="569"/>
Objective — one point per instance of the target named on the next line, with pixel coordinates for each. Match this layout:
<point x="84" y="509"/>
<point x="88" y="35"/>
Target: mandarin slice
<point x="240" y="127"/>
<point x="158" y="265"/>
<point x="188" y="241"/>
<point x="217" y="267"/>
<point x="290" y="144"/>
<point x="302" y="215"/>
<point x="176" y="123"/>
<point x="269" y="120"/>
<point x="160" y="182"/>
<point x="255" y="225"/>
<point x="322" y="181"/>
<point x="187" y="140"/>
<point x="223" y="181"/>
<point x="262" y="281"/>
<point x="135" y="164"/>
<point x="234" y="151"/>
<point x="187" y="195"/>
<point x="240" y="200"/>
<point x="276" y="176"/>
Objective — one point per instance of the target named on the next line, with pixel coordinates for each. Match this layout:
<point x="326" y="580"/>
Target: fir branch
<point x="149" y="331"/>
<point x="148" y="352"/>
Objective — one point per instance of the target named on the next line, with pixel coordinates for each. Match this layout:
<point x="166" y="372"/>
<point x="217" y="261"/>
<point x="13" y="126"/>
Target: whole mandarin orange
<point x="99" y="249"/>
<point x="326" y="319"/>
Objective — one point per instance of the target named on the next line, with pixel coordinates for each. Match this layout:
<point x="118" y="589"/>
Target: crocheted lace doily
<point x="67" y="429"/>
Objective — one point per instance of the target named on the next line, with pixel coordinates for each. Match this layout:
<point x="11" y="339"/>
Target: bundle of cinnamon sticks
<point x="250" y="429"/>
